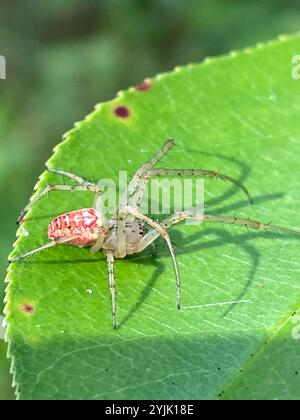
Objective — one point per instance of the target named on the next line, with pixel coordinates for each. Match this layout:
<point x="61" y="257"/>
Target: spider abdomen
<point x="86" y="223"/>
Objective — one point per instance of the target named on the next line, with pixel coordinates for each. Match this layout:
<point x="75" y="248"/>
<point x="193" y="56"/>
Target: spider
<point x="125" y="232"/>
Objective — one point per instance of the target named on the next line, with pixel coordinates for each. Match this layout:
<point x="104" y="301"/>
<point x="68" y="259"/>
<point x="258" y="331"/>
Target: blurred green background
<point x="63" y="57"/>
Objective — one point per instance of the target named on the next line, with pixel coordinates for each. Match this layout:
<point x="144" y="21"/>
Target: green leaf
<point x="5" y="383"/>
<point x="238" y="114"/>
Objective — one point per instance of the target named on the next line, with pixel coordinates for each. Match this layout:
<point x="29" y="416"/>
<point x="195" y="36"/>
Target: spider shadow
<point x="224" y="237"/>
<point x="191" y="244"/>
<point x="194" y="243"/>
<point x="245" y="170"/>
<point x="159" y="269"/>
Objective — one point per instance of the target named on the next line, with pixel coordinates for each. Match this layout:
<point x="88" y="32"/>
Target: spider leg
<point x="60" y="241"/>
<point x="112" y="287"/>
<point x="87" y="187"/>
<point x="73" y="177"/>
<point x="252" y="224"/>
<point x="137" y="185"/>
<point x="136" y="190"/>
<point x="197" y="172"/>
<point x="153" y="234"/>
<point x="90" y="186"/>
<point x="161" y="232"/>
<point x="98" y="244"/>
<point x="137" y="196"/>
<point x="121" y="234"/>
<point x="148" y="165"/>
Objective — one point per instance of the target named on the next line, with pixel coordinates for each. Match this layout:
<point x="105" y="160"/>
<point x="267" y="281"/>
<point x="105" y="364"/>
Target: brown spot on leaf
<point x="27" y="308"/>
<point x="122" y="112"/>
<point x="146" y="85"/>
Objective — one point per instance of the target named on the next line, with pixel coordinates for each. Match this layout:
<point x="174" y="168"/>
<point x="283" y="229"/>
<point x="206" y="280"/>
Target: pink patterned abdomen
<point x="86" y="223"/>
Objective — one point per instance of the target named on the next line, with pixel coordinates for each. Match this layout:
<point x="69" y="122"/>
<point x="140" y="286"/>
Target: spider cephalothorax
<point x="125" y="232"/>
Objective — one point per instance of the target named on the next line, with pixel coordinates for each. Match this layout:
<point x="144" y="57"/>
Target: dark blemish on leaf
<point x="122" y="112"/>
<point x="296" y="373"/>
<point x="28" y="309"/>
<point x="146" y="85"/>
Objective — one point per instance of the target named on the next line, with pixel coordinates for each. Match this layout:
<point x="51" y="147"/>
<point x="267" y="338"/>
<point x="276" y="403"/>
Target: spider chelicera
<point x="125" y="233"/>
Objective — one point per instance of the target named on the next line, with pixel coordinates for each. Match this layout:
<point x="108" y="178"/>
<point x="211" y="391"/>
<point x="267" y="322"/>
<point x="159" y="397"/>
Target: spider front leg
<point x="203" y="173"/>
<point x="112" y="287"/>
<point x="48" y="245"/>
<point x="138" y="185"/>
<point x="127" y="210"/>
<point x="252" y="224"/>
<point x="153" y="234"/>
<point x="84" y="186"/>
<point x="134" y="185"/>
<point x="121" y="234"/>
